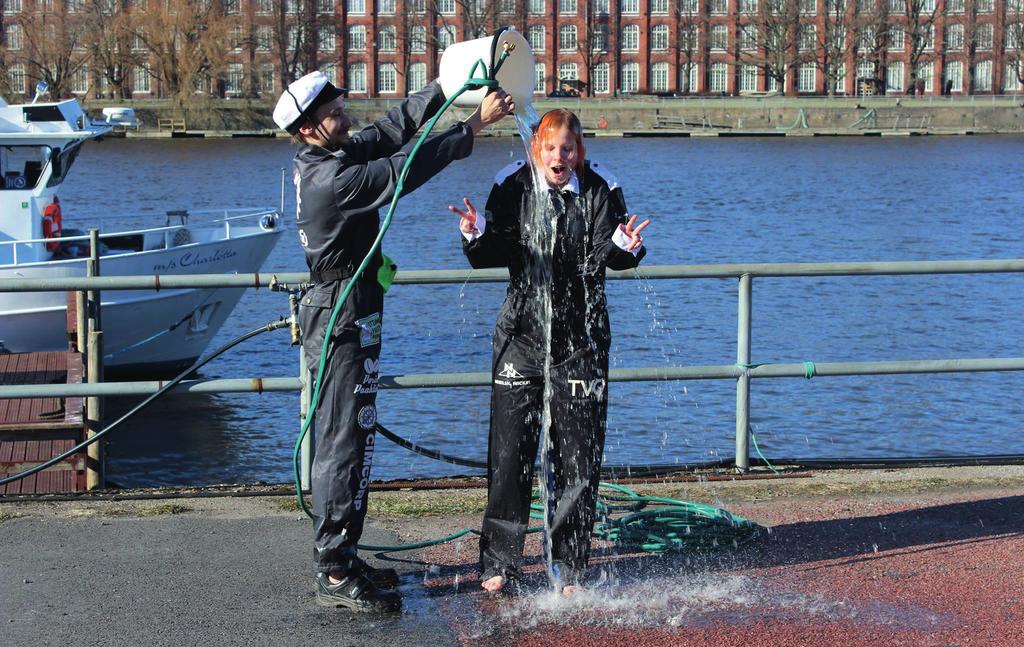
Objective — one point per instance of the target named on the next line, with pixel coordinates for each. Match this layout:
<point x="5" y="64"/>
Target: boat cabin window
<point x="21" y="167"/>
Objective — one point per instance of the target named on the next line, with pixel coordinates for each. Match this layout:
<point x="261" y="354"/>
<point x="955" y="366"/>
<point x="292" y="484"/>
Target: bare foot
<point x="493" y="584"/>
<point x="572" y="589"/>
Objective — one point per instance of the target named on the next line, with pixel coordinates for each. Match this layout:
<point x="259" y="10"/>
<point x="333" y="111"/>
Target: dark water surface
<point x="711" y="201"/>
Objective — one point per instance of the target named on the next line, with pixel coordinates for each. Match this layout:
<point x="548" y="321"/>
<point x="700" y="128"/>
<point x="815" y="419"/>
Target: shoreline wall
<point x="992" y="114"/>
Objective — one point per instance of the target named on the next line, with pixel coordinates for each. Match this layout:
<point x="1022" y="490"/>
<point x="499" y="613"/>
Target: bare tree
<point x="871" y="43"/>
<point x="52" y="49"/>
<point x="1014" y="56"/>
<point x="777" y="25"/>
<point x="187" y="41"/>
<point x="688" y="21"/>
<point x="110" y="39"/>
<point x="594" y="47"/>
<point x="832" y="44"/>
<point x="294" y="35"/>
<point x="919" y="27"/>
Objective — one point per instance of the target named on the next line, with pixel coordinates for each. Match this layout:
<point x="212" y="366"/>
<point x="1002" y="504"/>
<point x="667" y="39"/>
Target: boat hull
<point x="144" y="331"/>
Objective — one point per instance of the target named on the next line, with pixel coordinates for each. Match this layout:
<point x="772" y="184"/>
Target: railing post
<point x="94" y="369"/>
<point x="306" y="450"/>
<point x="743" y="381"/>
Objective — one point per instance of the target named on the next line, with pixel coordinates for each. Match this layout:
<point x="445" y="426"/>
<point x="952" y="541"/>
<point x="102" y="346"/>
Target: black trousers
<point x="345" y="418"/>
<point x="579" y="406"/>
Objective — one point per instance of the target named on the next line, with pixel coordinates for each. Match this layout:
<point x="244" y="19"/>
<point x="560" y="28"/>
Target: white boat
<point x="145" y="332"/>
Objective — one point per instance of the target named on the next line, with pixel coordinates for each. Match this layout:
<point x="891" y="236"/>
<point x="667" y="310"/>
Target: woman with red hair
<point x="556" y="224"/>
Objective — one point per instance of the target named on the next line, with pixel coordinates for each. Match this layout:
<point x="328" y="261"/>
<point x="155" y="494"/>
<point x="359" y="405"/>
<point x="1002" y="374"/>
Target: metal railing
<point x="742" y="370"/>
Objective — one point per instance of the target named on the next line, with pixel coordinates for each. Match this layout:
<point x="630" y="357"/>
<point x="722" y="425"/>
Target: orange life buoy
<point x="52" y="223"/>
<point x="602" y="123"/>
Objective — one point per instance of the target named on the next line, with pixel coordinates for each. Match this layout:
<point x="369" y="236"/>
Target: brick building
<point x="601" y="48"/>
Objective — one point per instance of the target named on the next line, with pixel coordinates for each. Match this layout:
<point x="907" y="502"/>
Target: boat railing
<point x="742" y="370"/>
<point x="168" y="230"/>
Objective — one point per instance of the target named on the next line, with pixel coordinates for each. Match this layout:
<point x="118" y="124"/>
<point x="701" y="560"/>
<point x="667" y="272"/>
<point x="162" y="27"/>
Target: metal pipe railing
<point x="742" y="371"/>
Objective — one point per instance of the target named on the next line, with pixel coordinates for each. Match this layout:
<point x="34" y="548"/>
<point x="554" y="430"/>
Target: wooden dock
<point x="33" y="430"/>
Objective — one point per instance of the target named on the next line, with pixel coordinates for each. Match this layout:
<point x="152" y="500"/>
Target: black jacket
<point x="575" y="273"/>
<point x="339" y="193"/>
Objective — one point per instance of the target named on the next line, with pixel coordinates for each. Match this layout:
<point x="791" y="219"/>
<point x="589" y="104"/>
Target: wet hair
<point x="552" y="122"/>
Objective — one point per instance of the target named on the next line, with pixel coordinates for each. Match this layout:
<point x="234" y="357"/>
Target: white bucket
<point x="516" y="75"/>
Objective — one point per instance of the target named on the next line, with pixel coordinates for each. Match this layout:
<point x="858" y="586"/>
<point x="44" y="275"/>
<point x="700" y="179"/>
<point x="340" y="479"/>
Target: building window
<point x="719" y="78"/>
<point x="264" y="7"/>
<point x="417" y="76"/>
<point x="535" y="37"/>
<point x="331" y="75"/>
<point x="601" y="7"/>
<point x="294" y="36"/>
<point x="446" y="7"/>
<point x="10" y="7"/>
<point x="80" y="81"/>
<point x="386" y="40"/>
<point x="385" y="7"/>
<point x="688" y="78"/>
<point x="265" y="78"/>
<point x="568" y="72"/>
<point x="236" y="78"/>
<point x="599" y="78"/>
<point x="659" y="77"/>
<point x="894" y="77"/>
<point x="689" y="8"/>
<point x="929" y="39"/>
<point x="925" y="72"/>
<point x="748" y="78"/>
<point x="418" y="39"/>
<point x="1012" y="75"/>
<point x="954" y="6"/>
<point x="567" y="7"/>
<point x="688" y="38"/>
<point x="291" y="7"/>
<point x="387" y="78"/>
<point x="630" y="38"/>
<point x="355" y="8"/>
<point x="140" y="79"/>
<point x="659" y="38"/>
<point x="983" y="76"/>
<point x="1014" y="33"/>
<point x="416" y="7"/>
<point x="806" y="78"/>
<point x="231" y="7"/>
<point x="808" y="7"/>
<point x="719" y="37"/>
<point x="984" y="39"/>
<point x="807" y="38"/>
<point x="897" y="38"/>
<point x="445" y="36"/>
<point x="507" y="7"/>
<point x="325" y="38"/>
<point x="357" y="77"/>
<point x="535" y="7"/>
<point x="567" y="38"/>
<point x="659" y="7"/>
<point x="746" y="6"/>
<point x="325" y="7"/>
<point x="14" y="37"/>
<point x="630" y="7"/>
<point x="954" y="37"/>
<point x="599" y="39"/>
<point x="356" y="38"/>
<point x="539" y="76"/>
<point x="748" y="37"/>
<point x="718" y="7"/>
<point x="985" y="6"/>
<point x="630" y="77"/>
<point x="840" y="85"/>
<point x="955" y="76"/>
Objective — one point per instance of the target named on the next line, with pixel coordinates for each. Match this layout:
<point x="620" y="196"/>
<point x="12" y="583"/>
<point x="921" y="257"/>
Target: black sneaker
<point x="355" y="591"/>
<point x="385" y="578"/>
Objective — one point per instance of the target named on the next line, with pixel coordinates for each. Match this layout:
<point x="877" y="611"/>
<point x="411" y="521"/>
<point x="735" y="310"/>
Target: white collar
<point x="572" y="185"/>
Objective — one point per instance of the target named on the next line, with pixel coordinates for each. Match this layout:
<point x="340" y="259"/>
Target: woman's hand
<point x="467" y="218"/>
<point x="636" y="241"/>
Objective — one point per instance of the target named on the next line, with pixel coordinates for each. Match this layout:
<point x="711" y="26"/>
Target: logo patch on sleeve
<point x="369" y="330"/>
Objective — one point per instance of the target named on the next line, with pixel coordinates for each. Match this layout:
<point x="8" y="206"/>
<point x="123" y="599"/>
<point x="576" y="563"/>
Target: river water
<point x="711" y="201"/>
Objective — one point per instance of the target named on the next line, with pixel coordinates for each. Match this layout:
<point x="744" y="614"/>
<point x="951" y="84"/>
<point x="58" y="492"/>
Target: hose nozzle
<point x="509" y="47"/>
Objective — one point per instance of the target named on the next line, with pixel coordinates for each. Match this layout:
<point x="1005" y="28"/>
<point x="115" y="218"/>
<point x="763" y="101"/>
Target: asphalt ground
<point x="886" y="557"/>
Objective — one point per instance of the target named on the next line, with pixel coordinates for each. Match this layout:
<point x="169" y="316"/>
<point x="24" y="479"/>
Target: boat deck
<point x="33" y="430"/>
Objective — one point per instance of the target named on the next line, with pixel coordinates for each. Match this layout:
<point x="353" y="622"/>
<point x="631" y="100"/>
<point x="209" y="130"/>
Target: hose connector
<point x="293" y="315"/>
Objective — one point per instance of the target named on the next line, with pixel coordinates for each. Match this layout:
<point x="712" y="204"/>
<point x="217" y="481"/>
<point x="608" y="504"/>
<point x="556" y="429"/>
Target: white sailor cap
<point x="301" y="99"/>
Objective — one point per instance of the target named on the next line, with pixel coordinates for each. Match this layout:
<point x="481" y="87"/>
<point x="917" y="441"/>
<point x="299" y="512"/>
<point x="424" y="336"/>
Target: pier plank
<point x="33" y="430"/>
